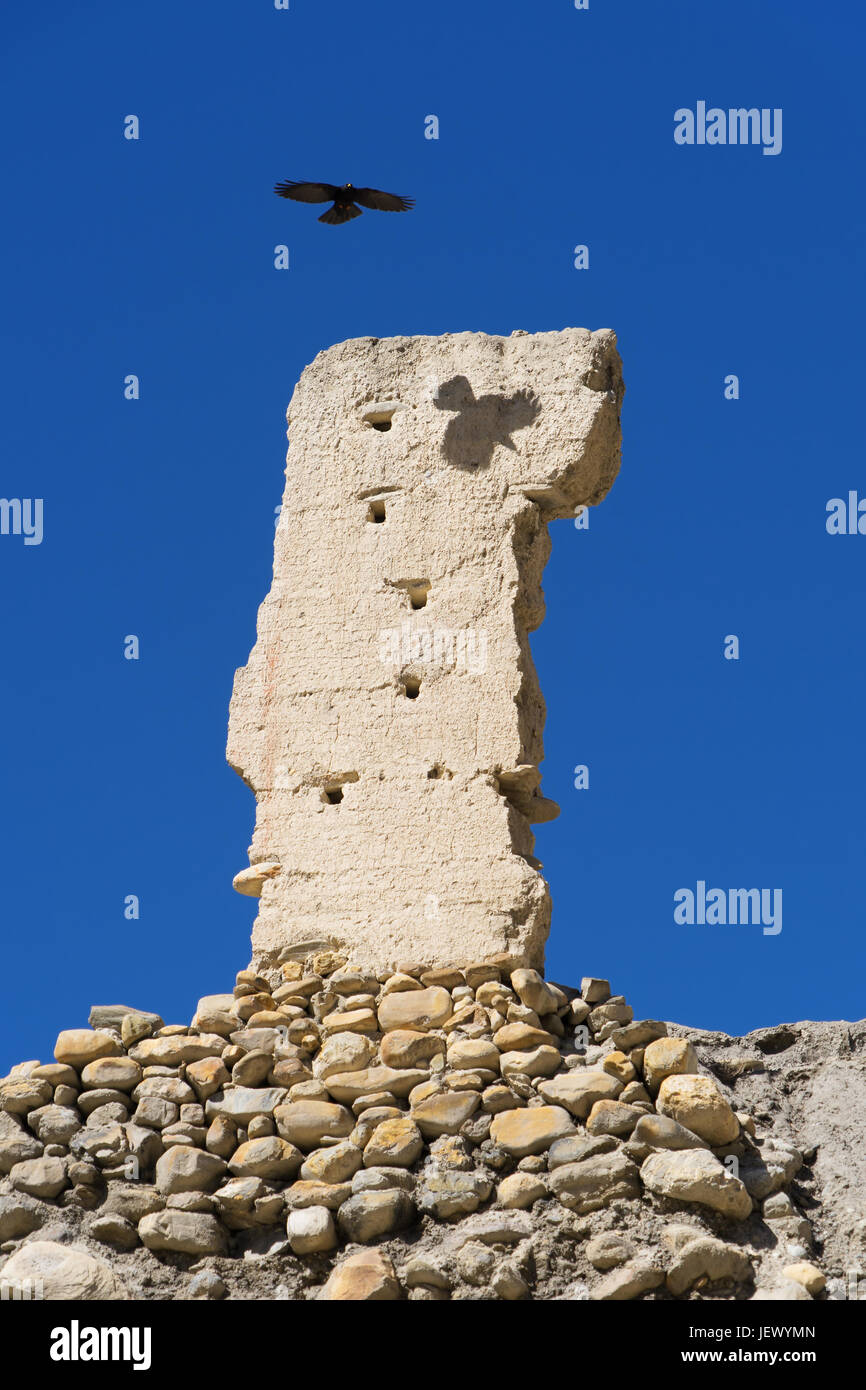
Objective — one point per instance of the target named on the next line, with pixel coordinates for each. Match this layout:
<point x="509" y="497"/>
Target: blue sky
<point x="155" y="257"/>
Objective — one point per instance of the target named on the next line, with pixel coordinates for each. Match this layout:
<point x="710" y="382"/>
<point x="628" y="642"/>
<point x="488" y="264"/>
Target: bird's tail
<point x="335" y="215"/>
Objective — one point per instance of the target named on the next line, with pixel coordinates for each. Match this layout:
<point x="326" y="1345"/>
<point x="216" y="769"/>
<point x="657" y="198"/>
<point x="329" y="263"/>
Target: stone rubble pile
<point x="475" y="1133"/>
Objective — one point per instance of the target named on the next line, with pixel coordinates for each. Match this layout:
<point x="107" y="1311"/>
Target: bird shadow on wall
<point x="479" y="425"/>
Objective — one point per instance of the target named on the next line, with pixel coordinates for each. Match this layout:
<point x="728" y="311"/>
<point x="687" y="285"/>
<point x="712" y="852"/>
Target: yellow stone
<point x="115" y="1073"/>
<point x="367" y="1277"/>
<point x="394" y="1144"/>
<point x="268" y="1157"/>
<point x="611" y="1117"/>
<point x="78" y="1046"/>
<point x="406" y="1047"/>
<point x="451" y="1153"/>
<point x="249" y="1004"/>
<point x="467" y="1080"/>
<point x="618" y="1065"/>
<point x="250" y="881"/>
<point x="579" y="1089"/>
<point x="306" y="1193"/>
<point x="416" y="1008"/>
<point x="307" y="1122"/>
<point x="351" y="1021"/>
<point x="520" y="1190"/>
<point x="697" y="1103"/>
<point x="400" y="983"/>
<point x="349" y="1086"/>
<point x="207" y="1076"/>
<point x="541" y="1061"/>
<point x="466" y="1053"/>
<point x="444" y="1113"/>
<point x="215" y="1014"/>
<point x="668" y="1057"/>
<point x="468" y="1017"/>
<point x="326" y="962"/>
<point x="522" y="1037"/>
<point x="494" y="995"/>
<point x="806" y="1274"/>
<point x="269" y="1018"/>
<point x="530" y="1131"/>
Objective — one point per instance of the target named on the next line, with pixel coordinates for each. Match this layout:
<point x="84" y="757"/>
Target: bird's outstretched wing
<point x="382" y="202"/>
<point x="306" y="192"/>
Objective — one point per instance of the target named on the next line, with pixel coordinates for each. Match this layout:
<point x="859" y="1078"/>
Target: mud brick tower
<point x="389" y="719"/>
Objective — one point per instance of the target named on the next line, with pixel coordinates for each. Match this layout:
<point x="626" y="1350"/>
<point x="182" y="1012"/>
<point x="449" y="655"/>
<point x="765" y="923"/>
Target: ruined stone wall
<point x="391" y="1104"/>
<point x="320" y="1134"/>
<point x="389" y="719"/>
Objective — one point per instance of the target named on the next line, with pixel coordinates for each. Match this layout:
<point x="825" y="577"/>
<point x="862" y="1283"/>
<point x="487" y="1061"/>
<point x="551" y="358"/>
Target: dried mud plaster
<point x="389" y="719"/>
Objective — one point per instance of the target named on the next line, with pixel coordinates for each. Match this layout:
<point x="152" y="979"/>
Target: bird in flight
<point x="345" y="200"/>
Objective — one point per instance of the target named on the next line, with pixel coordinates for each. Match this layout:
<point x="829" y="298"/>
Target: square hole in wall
<point x="418" y="594"/>
<point x="380" y="414"/>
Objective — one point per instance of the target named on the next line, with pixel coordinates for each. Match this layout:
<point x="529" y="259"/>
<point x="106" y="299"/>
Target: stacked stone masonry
<point x="426" y="1134"/>
<point x="392" y="1102"/>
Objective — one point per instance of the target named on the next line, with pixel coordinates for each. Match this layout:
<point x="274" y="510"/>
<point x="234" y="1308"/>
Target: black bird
<point x="345" y="199"/>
